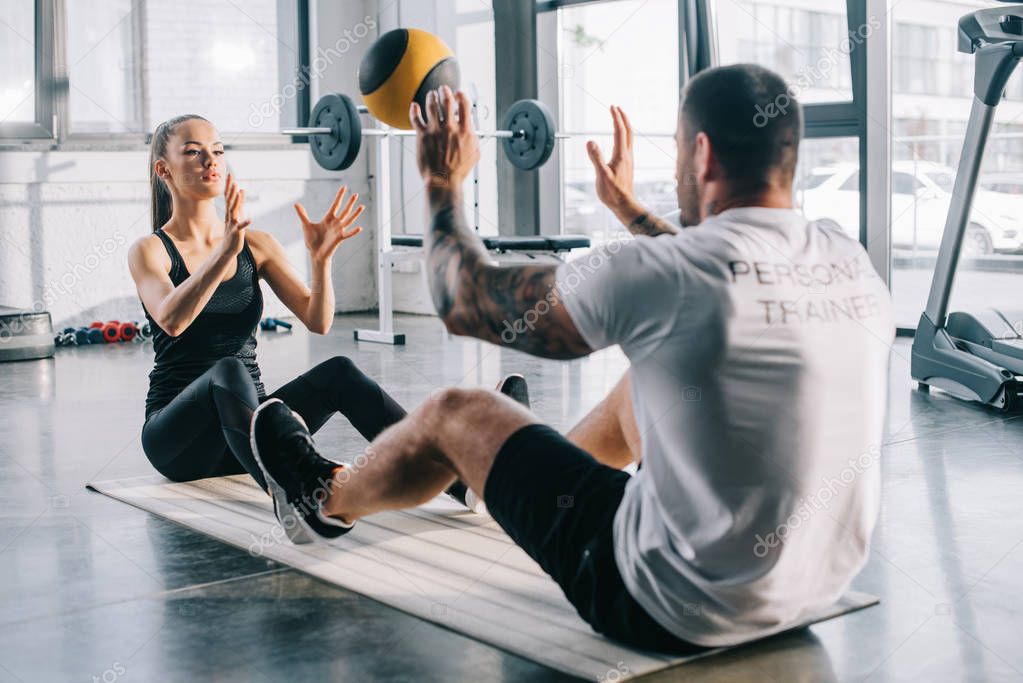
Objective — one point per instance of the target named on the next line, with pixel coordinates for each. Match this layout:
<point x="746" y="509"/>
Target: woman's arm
<point x="174" y="308"/>
<point x="314" y="305"/>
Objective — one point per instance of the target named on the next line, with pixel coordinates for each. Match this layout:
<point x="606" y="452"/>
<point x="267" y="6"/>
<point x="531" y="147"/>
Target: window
<point x="234" y="77"/>
<point x="836" y="198"/>
<point x="932" y="93"/>
<point x="815" y="180"/>
<point x="919" y="59"/>
<point x="852" y="183"/>
<point x="474" y="35"/>
<point x="809" y="47"/>
<point x="17" y="54"/>
<point x="103" y="68"/>
<point x="600" y="65"/>
<point x="133" y="63"/>
<point x="904" y="183"/>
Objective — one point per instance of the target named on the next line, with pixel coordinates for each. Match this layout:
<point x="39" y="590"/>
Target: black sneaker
<point x="297" y="475"/>
<point x="513" y="386"/>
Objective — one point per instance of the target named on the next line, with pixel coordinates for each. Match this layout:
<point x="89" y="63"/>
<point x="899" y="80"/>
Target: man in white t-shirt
<point x="758" y="343"/>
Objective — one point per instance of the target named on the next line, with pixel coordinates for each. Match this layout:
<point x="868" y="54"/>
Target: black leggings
<point x="204" y="431"/>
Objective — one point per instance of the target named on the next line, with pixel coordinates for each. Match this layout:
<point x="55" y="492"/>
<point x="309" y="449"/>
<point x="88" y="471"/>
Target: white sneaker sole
<point x="298" y="532"/>
<point x="474" y="503"/>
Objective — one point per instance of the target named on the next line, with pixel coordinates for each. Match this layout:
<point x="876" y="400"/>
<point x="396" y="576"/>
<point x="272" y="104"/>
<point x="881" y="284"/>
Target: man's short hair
<point x="754" y="123"/>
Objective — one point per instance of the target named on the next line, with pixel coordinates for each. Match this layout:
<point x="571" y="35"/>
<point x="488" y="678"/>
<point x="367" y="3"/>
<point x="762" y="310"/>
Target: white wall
<point x="68" y="217"/>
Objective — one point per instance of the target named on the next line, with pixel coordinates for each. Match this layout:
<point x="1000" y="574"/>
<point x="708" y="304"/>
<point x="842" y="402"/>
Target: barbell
<point x="335" y="133"/>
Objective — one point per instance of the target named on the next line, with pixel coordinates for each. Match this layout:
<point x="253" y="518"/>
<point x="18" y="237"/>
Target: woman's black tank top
<point x="225" y="327"/>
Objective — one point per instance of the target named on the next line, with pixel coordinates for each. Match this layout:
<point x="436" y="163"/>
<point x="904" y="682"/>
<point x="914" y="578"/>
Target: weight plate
<point x="338" y="150"/>
<point x="534" y="149"/>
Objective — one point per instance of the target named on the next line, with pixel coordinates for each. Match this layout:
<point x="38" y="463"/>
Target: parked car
<point x="921" y="194"/>
<point x="584" y="214"/>
<point x="1006" y="183"/>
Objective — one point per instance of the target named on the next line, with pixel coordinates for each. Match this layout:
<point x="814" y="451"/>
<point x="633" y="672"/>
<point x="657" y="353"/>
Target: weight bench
<point x="410" y="247"/>
<point x="528" y="243"/>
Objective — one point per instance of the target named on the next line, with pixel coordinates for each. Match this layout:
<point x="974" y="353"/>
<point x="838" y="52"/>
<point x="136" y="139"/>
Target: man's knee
<point x="451" y="413"/>
<point x="456" y="414"/>
<point x="447" y="404"/>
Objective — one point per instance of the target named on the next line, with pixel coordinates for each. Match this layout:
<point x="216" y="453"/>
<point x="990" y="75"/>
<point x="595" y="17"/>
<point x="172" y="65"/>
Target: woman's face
<point x="194" y="164"/>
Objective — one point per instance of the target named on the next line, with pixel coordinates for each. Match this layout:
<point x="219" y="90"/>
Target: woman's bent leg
<point x="204" y="431"/>
<point x="337" y="386"/>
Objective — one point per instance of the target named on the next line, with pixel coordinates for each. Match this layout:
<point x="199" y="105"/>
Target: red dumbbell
<point x="127" y="332"/>
<point x="112" y="332"/>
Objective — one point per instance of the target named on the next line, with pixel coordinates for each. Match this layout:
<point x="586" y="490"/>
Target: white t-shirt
<point x="759" y="345"/>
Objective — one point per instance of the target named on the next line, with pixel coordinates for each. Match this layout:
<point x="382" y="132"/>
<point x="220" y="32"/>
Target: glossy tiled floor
<point x="91" y="589"/>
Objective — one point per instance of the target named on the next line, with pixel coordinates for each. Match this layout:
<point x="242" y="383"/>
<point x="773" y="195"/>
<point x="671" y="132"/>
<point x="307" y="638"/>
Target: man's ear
<point x="704" y="160"/>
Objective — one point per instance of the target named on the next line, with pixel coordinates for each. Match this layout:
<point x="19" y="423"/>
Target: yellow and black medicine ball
<point x="402" y="66"/>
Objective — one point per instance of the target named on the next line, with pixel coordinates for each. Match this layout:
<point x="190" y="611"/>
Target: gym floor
<point x="93" y="589"/>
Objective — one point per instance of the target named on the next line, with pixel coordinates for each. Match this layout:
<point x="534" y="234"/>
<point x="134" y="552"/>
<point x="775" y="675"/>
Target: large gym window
<point x="17" y="54"/>
<point x="26" y="53"/>
<point x="802" y="43"/>
<point x="474" y="37"/>
<point x="932" y="91"/>
<point x="827" y="185"/>
<point x="103" y="68"/>
<point x="133" y="63"/>
<point x="232" y="65"/>
<point x="600" y="65"/>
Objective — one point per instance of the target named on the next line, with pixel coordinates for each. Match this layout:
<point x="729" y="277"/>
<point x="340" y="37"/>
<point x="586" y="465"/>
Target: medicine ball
<point x="401" y="66"/>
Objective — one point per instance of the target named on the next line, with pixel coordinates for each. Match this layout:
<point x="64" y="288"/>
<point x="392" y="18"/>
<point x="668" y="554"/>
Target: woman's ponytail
<point x="160" y="197"/>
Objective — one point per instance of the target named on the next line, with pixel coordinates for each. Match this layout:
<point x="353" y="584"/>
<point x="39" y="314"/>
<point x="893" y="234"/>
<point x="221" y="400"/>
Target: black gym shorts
<point x="558" y="504"/>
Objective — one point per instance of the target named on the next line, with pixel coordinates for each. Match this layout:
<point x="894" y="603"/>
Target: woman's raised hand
<point x="323" y="237"/>
<point x="234" y="218"/>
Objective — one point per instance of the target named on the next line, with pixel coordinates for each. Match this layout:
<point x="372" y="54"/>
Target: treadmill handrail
<point x="995" y="62"/>
<point x="959" y="209"/>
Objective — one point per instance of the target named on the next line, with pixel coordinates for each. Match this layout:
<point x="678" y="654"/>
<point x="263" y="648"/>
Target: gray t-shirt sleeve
<point x="624" y="293"/>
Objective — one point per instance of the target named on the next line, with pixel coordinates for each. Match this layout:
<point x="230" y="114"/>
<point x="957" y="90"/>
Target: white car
<point x="921" y="194"/>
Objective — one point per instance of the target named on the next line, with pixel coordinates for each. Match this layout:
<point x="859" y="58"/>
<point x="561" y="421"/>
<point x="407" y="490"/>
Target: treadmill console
<point x="1011" y="24"/>
<point x="993" y="25"/>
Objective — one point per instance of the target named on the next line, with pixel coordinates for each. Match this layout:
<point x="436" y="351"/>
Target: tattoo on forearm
<point x="651" y="226"/>
<point x="511" y="305"/>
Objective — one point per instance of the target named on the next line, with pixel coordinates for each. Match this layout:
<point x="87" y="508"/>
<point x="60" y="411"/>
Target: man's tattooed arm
<point x="514" y="306"/>
<point x="645" y="224"/>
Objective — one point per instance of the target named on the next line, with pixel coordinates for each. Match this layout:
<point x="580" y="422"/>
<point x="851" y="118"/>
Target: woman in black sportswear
<point x="198" y="278"/>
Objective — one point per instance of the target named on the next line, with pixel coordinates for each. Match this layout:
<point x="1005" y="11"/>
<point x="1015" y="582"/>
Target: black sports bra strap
<point x="177" y="263"/>
<point x="252" y="261"/>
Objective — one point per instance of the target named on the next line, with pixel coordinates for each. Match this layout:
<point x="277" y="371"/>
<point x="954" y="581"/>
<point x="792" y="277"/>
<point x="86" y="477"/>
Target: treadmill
<point x="973" y="357"/>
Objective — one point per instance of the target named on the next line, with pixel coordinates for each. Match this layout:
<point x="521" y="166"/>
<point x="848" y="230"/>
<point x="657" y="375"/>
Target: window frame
<point x="43" y="126"/>
<point x="52" y="127"/>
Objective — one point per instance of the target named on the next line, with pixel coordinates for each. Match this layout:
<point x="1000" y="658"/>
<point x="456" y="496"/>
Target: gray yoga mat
<point x="436" y="562"/>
